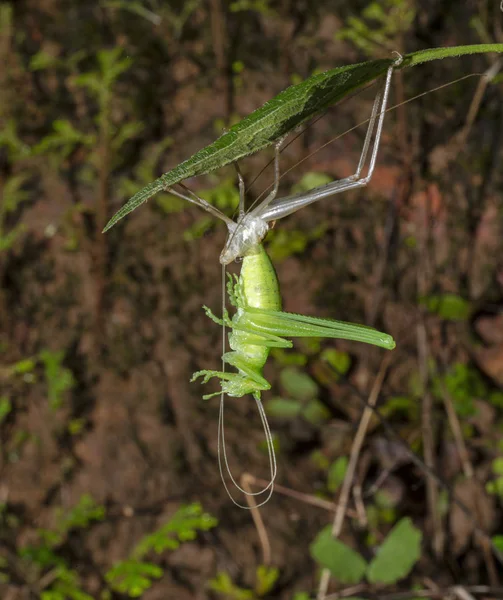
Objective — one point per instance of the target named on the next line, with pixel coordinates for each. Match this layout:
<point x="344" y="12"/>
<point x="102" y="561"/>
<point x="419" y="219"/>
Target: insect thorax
<point x="247" y="233"/>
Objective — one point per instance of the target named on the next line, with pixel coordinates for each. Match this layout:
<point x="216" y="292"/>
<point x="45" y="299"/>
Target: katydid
<point x="259" y="324"/>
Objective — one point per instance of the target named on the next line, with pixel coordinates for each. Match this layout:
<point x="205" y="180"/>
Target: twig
<point x="353" y="460"/>
<point x="484" y="81"/>
<point x="246" y="481"/>
<point x="300" y="496"/>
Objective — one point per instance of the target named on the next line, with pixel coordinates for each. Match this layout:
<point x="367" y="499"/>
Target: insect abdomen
<point x="258" y="287"/>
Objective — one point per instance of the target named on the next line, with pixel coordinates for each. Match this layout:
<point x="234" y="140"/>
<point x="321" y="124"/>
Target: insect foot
<point x="235" y="385"/>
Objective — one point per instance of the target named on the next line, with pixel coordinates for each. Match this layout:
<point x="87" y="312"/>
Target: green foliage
<point x="379" y="26"/>
<point x="265" y="579"/>
<point x="448" y="306"/>
<point x="298" y="384"/>
<point x="497" y="540"/>
<point x="223" y="584"/>
<point x="5" y="408"/>
<point x="344" y="563"/>
<point x="260" y="6"/>
<point x="336" y="474"/>
<point x="311" y="180"/>
<point x="15" y="148"/>
<point x="79" y="517"/>
<point x="65" y="586"/>
<point x="64" y="583"/>
<point x="24" y="366"/>
<point x="301" y="398"/>
<point x="111" y="65"/>
<point x="108" y="137"/>
<point x="393" y="561"/>
<point x="182" y="527"/>
<point x="285" y="243"/>
<point x="131" y="576"/>
<point x="134" y="575"/>
<point x="401" y="405"/>
<point x="64" y="139"/>
<point x="397" y="555"/>
<point x="464" y="384"/>
<point x="338" y="360"/>
<point x="59" y="378"/>
<point x="12" y="192"/>
<point x="495" y="486"/>
<point x="283" y="408"/>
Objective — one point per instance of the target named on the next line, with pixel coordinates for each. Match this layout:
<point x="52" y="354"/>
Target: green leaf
<point x="397" y="554"/>
<point x="282" y="114"/>
<point x="336" y="473"/>
<point x="298" y="384"/>
<point x="497" y="466"/>
<point x="497" y="540"/>
<point x="315" y="412"/>
<point x="42" y="60"/>
<point x="346" y="565"/>
<point x="448" y="306"/>
<point x="59" y="378"/>
<point x="27" y="365"/>
<point x="133" y="577"/>
<point x="223" y="584"/>
<point x="13" y="192"/>
<point x="311" y="180"/>
<point x="183" y="526"/>
<point x="283" y="408"/>
<point x="5" y="408"/>
<point x="85" y="511"/>
<point x="266" y="578"/>
<point x="338" y="360"/>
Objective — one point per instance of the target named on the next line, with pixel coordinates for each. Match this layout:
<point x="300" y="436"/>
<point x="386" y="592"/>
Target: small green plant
<point x="495" y="486"/>
<point x="59" y="378"/>
<point x="44" y="557"/>
<point x="16" y="170"/>
<point x="265" y="579"/>
<point x="94" y="148"/>
<point x="300" y="398"/>
<point x="464" y="384"/>
<point x="45" y="561"/>
<point x="135" y="575"/>
<point x="379" y="26"/>
<point x="449" y="307"/>
<point x="394" y="558"/>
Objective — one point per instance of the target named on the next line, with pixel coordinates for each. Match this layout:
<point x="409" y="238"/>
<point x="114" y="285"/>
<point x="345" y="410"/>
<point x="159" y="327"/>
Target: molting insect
<point x="259" y="324"/>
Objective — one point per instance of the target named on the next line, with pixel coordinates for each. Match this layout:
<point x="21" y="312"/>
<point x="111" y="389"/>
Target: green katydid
<point x="259" y="324"/>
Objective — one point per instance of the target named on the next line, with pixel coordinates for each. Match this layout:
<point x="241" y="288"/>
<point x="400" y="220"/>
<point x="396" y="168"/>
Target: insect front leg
<point x="225" y="320"/>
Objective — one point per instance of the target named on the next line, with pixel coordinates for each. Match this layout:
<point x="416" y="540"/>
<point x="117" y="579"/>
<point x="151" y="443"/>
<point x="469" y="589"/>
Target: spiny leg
<point x="272" y="194"/>
<point x="241" y="182"/>
<point x="282" y="207"/>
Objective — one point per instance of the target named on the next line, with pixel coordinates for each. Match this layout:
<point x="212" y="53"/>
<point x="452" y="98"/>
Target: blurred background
<point x="109" y="484"/>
